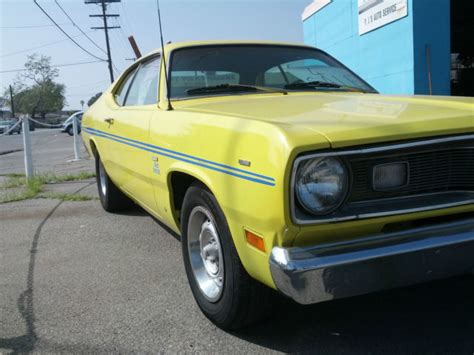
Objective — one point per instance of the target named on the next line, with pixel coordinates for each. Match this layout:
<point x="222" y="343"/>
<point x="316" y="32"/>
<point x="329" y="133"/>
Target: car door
<point x="129" y="126"/>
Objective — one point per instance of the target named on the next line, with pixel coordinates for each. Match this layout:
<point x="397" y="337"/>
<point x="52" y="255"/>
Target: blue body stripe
<point x="185" y="155"/>
<point x="176" y="155"/>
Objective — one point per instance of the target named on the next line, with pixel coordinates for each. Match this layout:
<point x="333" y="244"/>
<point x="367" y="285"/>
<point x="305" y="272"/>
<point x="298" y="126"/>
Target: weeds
<point x="27" y="189"/>
<point x="13" y="175"/>
<point x="18" y="180"/>
<point x="67" y="197"/>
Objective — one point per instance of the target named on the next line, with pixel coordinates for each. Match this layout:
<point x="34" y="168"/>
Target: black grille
<point x="439" y="169"/>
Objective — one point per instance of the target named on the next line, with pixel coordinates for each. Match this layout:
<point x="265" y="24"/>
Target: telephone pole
<point x="106" y="28"/>
<point x="12" y="105"/>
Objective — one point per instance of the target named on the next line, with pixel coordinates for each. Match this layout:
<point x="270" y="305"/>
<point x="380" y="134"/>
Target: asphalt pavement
<point x="74" y="278"/>
<point x="52" y="152"/>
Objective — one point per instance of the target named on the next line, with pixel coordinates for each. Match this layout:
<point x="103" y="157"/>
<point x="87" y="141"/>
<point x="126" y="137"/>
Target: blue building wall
<point x="432" y="28"/>
<point x="391" y="58"/>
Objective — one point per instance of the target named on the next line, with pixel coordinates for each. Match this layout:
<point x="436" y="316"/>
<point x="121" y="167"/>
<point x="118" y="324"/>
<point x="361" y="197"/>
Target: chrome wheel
<point x="205" y="253"/>
<point x="102" y="179"/>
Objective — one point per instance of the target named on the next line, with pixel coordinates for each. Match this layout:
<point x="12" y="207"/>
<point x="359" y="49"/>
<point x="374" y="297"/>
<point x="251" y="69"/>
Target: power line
<point x="128" y="49"/>
<point x="88" y="84"/>
<point x="55" y="66"/>
<point x="60" y="28"/>
<point x="80" y="29"/>
<point x="38" y="47"/>
<point x="112" y="39"/>
<point x="106" y="28"/>
<point x="34" y="26"/>
<point x="130" y="29"/>
<point x="120" y="44"/>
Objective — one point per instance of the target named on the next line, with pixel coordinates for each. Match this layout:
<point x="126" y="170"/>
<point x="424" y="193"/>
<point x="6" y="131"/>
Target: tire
<point x="70" y="130"/>
<point x="111" y="198"/>
<point x="235" y="301"/>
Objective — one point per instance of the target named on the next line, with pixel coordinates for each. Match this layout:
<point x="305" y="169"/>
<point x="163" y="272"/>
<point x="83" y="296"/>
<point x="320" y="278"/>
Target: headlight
<point x="321" y="184"/>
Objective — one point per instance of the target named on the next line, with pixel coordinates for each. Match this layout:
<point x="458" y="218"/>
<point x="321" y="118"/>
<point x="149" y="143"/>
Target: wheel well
<point x="93" y="148"/>
<point x="179" y="183"/>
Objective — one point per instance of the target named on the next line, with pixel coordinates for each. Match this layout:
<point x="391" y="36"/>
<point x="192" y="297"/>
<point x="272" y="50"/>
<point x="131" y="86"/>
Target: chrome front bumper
<point x="331" y="271"/>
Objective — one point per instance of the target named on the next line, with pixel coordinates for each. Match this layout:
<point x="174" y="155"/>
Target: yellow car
<point x="282" y="169"/>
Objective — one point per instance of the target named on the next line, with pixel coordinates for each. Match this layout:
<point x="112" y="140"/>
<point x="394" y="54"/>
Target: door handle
<point x="109" y="120"/>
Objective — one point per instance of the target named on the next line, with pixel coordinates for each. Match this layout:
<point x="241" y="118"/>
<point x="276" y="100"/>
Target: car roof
<point x="177" y="45"/>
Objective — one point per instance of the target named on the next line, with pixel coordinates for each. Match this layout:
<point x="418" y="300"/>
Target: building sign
<point x="377" y="13"/>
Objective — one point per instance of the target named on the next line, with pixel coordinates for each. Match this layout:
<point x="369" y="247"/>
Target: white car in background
<point x="67" y="125"/>
<point x="7" y="125"/>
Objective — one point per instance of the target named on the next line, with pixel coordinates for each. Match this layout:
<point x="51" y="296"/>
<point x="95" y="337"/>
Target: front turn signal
<point x="255" y="240"/>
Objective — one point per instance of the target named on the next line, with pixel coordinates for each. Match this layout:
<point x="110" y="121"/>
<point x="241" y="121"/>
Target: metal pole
<point x="27" y="148"/>
<point x="428" y="63"/>
<point x="109" y="55"/>
<point x="76" y="140"/>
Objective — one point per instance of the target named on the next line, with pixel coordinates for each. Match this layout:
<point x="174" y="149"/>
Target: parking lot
<point x="74" y="278"/>
<point x="51" y="149"/>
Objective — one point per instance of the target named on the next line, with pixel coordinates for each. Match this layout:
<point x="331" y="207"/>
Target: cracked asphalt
<point x="74" y="278"/>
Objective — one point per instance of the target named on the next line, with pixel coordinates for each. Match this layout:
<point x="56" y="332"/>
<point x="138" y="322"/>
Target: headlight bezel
<point x="296" y="205"/>
<point x="343" y="193"/>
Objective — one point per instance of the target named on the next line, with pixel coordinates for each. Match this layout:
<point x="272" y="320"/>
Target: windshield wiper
<point x="232" y="88"/>
<point x="321" y="84"/>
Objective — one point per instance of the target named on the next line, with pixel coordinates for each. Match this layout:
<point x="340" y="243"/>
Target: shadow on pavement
<point x="25" y="303"/>
<point x="138" y="211"/>
<point x="436" y="317"/>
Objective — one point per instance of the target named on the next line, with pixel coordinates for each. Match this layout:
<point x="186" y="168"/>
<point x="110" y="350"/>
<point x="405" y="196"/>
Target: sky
<point x="25" y="30"/>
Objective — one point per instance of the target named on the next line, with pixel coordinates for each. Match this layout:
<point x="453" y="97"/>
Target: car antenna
<point x="170" y="107"/>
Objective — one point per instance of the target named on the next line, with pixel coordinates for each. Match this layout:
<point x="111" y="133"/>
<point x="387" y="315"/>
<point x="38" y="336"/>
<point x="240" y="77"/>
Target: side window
<point x="144" y="88"/>
<point x="123" y="89"/>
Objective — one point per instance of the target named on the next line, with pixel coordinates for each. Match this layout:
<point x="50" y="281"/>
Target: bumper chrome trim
<point x="331" y="271"/>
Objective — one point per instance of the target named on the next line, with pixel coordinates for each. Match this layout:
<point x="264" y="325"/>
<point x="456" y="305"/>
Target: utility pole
<point x="106" y="28"/>
<point x="12" y="105"/>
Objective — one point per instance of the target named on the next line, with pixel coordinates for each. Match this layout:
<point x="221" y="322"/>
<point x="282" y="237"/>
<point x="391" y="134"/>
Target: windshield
<point x="221" y="69"/>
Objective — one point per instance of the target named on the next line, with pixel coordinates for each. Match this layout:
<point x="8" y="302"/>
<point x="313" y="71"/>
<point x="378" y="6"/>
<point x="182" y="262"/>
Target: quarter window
<point x="144" y="88"/>
<point x="123" y="89"/>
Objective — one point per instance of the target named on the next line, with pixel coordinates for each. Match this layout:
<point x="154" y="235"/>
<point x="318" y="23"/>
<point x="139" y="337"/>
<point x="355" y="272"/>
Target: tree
<point x="82" y="104"/>
<point x="39" y="69"/>
<point x="93" y="99"/>
<point x="40" y="99"/>
<point x="43" y="95"/>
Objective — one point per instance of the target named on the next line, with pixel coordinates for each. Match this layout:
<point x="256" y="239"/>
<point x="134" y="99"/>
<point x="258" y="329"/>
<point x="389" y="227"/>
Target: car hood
<point x="348" y="118"/>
